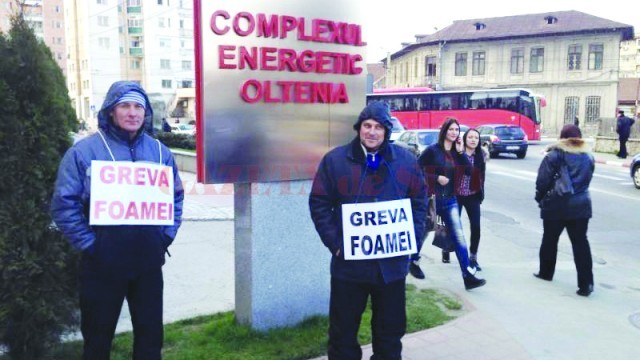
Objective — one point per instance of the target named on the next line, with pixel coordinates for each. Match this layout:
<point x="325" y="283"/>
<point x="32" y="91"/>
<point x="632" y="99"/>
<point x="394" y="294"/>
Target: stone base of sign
<point x="281" y="266"/>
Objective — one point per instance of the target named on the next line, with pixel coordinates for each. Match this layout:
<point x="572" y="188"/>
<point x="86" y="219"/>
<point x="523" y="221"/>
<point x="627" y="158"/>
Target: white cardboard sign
<point x="131" y="193"/>
<point x="378" y="230"/>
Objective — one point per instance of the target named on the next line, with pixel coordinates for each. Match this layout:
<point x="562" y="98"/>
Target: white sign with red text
<point x="378" y="230"/>
<point x="131" y="193"/>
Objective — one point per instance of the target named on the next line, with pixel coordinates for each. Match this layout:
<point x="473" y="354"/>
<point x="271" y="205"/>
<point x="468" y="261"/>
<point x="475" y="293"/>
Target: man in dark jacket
<point x="623" y="129"/>
<point x="367" y="172"/>
<point x="123" y="236"/>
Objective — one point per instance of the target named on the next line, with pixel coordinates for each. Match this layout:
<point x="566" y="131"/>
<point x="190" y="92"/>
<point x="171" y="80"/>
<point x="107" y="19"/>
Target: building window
<point x="536" y="63"/>
<point x="159" y="2"/>
<point x="56" y="8"/>
<point x="133" y="22"/>
<point x="574" y="57"/>
<point x="181" y="24"/>
<point x="133" y="3"/>
<point x="592" y="110"/>
<point x="186" y="84"/>
<point x="430" y="62"/>
<point x="461" y="64"/>
<point x="101" y="2"/>
<point x="595" y="56"/>
<point x="164" y="43"/>
<point x="134" y="64"/>
<point x="103" y="42"/>
<point x="478" y="63"/>
<point x="161" y="22"/>
<point x="517" y="61"/>
<point x="165" y="64"/>
<point x="103" y="21"/>
<point x="166" y="84"/>
<point x="186" y="65"/>
<point x="571" y="106"/>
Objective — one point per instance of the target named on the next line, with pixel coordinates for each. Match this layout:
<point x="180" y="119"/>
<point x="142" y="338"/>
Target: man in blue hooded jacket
<point x="366" y="171"/>
<point x="119" y="260"/>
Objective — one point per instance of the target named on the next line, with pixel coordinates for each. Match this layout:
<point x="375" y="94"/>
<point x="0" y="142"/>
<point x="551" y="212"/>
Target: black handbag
<point x="562" y="187"/>
<point x="441" y="237"/>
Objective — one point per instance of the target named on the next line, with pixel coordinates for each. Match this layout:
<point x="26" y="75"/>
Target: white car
<point x="396" y="130"/>
<point x="183" y="129"/>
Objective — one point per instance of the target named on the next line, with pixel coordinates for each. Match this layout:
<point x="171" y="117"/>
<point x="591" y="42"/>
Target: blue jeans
<point x="447" y="209"/>
<point x="472" y="205"/>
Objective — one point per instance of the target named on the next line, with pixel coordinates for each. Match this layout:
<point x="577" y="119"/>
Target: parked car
<point x="417" y="140"/>
<point x="396" y="130"/>
<point x="500" y="139"/>
<point x="183" y="129"/>
<point x="635" y="170"/>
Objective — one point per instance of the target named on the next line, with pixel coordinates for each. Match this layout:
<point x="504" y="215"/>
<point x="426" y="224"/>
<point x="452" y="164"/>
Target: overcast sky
<point x="386" y="26"/>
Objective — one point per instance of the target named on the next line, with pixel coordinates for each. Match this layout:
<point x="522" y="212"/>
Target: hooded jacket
<point x="343" y="177"/>
<point x="581" y="166"/>
<point x="128" y="248"/>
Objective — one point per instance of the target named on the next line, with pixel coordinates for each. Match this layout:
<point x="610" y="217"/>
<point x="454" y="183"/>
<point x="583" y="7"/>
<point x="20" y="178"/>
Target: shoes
<point x="542" y="277"/>
<point x="474" y="264"/>
<point x="472" y="282"/>
<point x="445" y="257"/>
<point x="415" y="270"/>
<point x="585" y="292"/>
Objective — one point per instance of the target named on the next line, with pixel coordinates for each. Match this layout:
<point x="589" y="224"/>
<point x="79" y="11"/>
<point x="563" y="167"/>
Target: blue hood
<point x="116" y="91"/>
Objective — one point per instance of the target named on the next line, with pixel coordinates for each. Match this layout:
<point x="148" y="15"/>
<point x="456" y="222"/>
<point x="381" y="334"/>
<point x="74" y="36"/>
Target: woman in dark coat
<point x="471" y="191"/>
<point x="443" y="164"/>
<point x="572" y="214"/>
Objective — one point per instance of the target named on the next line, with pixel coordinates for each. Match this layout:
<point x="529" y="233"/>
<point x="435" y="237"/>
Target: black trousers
<point x="623" y="148"/>
<point x="577" y="231"/>
<point x="388" y="322"/>
<point x="472" y="205"/>
<point x="101" y="297"/>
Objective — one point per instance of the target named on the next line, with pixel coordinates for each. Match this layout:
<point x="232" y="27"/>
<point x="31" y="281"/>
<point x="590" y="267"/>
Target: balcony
<point x="137" y="51"/>
<point x="134" y="9"/>
<point x="135" y="30"/>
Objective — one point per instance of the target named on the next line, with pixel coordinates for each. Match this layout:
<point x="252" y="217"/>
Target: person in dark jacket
<point x="471" y="191"/>
<point x="444" y="164"/>
<point x="623" y="128"/>
<point x="122" y="258"/>
<point x="367" y="172"/>
<point x="572" y="214"/>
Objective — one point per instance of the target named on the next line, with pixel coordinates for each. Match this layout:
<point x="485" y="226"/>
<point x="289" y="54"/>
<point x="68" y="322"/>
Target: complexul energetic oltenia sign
<point x="278" y="84"/>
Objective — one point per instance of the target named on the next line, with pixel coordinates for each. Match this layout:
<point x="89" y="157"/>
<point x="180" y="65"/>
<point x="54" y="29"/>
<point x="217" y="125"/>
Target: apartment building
<point x="630" y="58"/>
<point x="571" y="57"/>
<point x="147" y="41"/>
<point x="45" y="17"/>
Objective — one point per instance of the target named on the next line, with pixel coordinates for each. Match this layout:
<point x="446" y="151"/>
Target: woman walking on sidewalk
<point x="471" y="190"/>
<point x="573" y="213"/>
<point x="440" y="162"/>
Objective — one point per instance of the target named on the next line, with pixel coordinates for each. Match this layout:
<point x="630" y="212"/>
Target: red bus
<point x="422" y="108"/>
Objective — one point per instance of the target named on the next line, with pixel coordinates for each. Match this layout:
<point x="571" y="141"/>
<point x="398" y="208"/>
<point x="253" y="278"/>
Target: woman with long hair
<point x="573" y="213"/>
<point x="441" y="162"/>
<point x="471" y="190"/>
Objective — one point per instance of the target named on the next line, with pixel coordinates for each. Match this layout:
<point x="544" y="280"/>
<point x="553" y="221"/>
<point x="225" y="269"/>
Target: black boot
<point x="414" y="269"/>
<point x="472" y="282"/>
<point x="445" y="257"/>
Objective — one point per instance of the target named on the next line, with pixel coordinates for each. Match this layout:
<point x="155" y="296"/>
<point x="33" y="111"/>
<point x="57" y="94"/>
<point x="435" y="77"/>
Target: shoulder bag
<point x="561" y="189"/>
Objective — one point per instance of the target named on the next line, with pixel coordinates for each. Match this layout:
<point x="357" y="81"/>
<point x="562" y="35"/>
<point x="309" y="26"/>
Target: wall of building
<point x="556" y="82"/>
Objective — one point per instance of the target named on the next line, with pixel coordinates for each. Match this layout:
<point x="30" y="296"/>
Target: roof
<point x="521" y="26"/>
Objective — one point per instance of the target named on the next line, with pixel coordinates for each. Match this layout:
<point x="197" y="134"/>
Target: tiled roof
<point x="519" y="26"/>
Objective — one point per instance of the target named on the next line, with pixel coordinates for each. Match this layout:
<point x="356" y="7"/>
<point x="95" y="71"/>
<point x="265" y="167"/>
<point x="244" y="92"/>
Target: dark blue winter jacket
<point x="344" y="178"/>
<point x="128" y="248"/>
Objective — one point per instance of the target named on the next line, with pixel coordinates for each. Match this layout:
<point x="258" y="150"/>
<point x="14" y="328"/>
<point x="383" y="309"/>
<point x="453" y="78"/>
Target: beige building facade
<point x="571" y="58"/>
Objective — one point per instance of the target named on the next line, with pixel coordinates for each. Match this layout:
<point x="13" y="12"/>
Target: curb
<point x="613" y="162"/>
